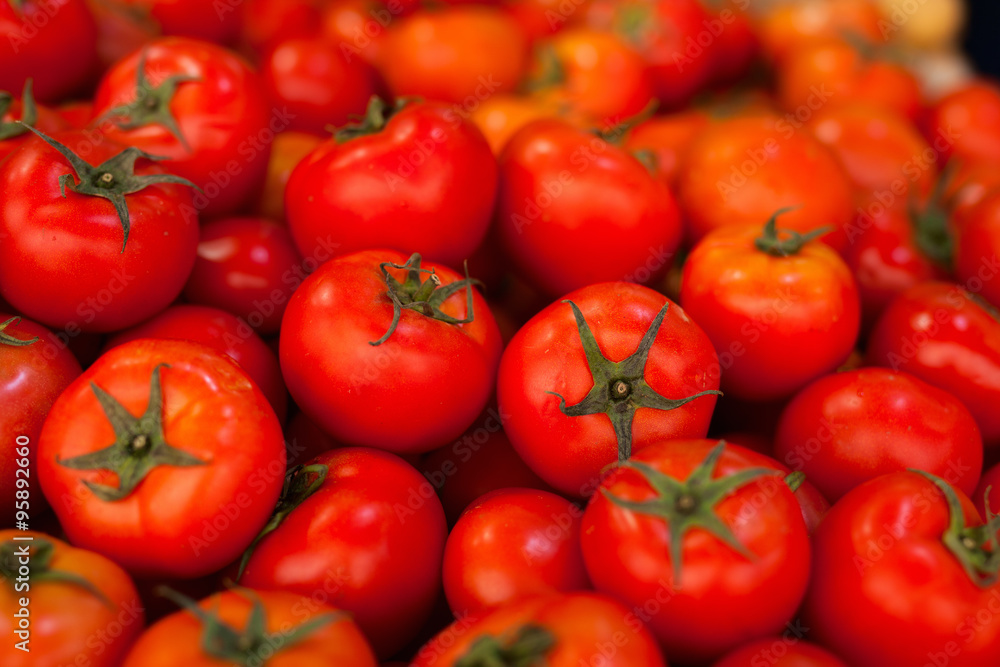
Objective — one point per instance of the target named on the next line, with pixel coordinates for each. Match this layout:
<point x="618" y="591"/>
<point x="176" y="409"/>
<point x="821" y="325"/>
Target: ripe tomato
<point x="513" y="544"/>
<point x="698" y="526"/>
<point x="668" y="139"/>
<point x="539" y="18"/>
<point x="557" y="631"/>
<point x="34" y="369"/>
<point x="27" y="111"/>
<point x="779" y="310"/>
<point x="939" y="333"/>
<point x="742" y="169"/>
<point x="607" y="371"/>
<point x="82" y="261"/>
<point x="199" y="105"/>
<point x="501" y="116"/>
<point x="81" y="607"/>
<point x="784" y="652"/>
<point x="163" y="456"/>
<point x="787" y="26"/>
<point x="415" y="177"/>
<point x="977" y="248"/>
<point x="209" y="21"/>
<point x="362" y="529"/>
<point x="847" y="428"/>
<point x="889" y="547"/>
<point x="288" y="149"/>
<point x="966" y="124"/>
<point x="246" y="627"/>
<point x="567" y="198"/>
<point x="421" y="349"/>
<point x="268" y="22"/>
<point x="990" y="481"/>
<point x="736" y="41"/>
<point x="969" y="184"/>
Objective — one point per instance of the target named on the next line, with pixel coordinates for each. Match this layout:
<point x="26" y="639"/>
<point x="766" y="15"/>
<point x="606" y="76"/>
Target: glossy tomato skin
<point x="990" y="480"/>
<point x="66" y="618"/>
<point x="776" y="322"/>
<point x="420" y="388"/>
<point x="54" y="43"/>
<point x="177" y="639"/>
<point x="269" y="22"/>
<point x="575" y="210"/>
<point x="31" y="379"/>
<point x="223" y="333"/>
<point x="546" y="355"/>
<point x="223" y="116"/>
<point x="62" y="261"/>
<point x="977" y="248"/>
<point x="788" y="651"/>
<point x="370" y="537"/>
<point x="668" y="138"/>
<point x="248" y="267"/>
<point x="627" y="553"/>
<point x="937" y="333"/>
<point x="501" y="116"/>
<point x="176" y="521"/>
<point x="513" y="544"/>
<point x="967" y="123"/>
<point x="426" y="182"/>
<point x="847" y="428"/>
<point x="580" y="623"/>
<point x="878" y="560"/>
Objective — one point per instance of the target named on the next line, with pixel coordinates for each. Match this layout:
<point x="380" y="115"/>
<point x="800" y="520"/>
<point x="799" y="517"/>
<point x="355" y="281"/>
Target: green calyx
<point x="151" y="105"/>
<point x="423" y="296"/>
<point x="7" y="339"/>
<point x="300" y="483"/>
<point x="549" y="73"/>
<point x="377" y="114"/>
<point x="17" y="6"/>
<point x="41" y="552"/>
<point x="620" y="388"/>
<point x="794" y="480"/>
<point x="634" y="21"/>
<point x="139" y="445"/>
<point x="112" y="179"/>
<point x="685" y="505"/>
<point x="253" y="645"/>
<point x="29" y="113"/>
<point x="975" y="547"/>
<point x="525" y="647"/>
<point x="785" y="242"/>
<point x="931" y="232"/>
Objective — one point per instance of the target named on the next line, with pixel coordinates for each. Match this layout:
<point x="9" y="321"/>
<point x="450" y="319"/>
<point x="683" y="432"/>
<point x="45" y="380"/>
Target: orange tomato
<point x="287" y="151"/>
<point x="791" y="25"/>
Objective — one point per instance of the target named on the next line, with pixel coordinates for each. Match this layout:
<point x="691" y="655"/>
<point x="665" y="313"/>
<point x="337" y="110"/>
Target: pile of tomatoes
<point x="520" y="333"/>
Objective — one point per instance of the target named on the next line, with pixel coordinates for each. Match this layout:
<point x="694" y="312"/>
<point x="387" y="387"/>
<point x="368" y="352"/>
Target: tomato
<point x="847" y="428"/>
<point x="969" y="184"/>
<point x="34" y="369"/>
<point x="668" y="139"/>
<point x="209" y="21"/>
<point x="513" y="544"/>
<point x="574" y="210"/>
<point x="223" y="333"/>
<point x="25" y="110"/>
<point x="164" y="457"/>
<point x="268" y="22"/>
<point x="456" y="54"/>
<point x="698" y="526"/>
<point x="939" y="333"/>
<point x="736" y="41"/>
<point x="557" y="631"/>
<point x="501" y="116"/>
<point x="199" y="105"/>
<point x="788" y="651"/>
<point x="415" y="177"/>
<point x="362" y="529"/>
<point x="81" y="607"/>
<point x="965" y="125"/>
<point x="318" y="86"/>
<point x="358" y="26"/>
<point x="933" y="25"/>
<point x="247" y="627"/>
<point x="889" y="547"/>
<point x="287" y="151"/>
<point x="613" y="348"/>
<point x="80" y="261"/>
<point x="741" y="169"/>
<point x="54" y="43"/>
<point x="539" y="18"/>
<point x="787" y="26"/>
<point x="249" y="267"/>
<point x="977" y="247"/>
<point x="989" y="481"/>
<point x="780" y="310"/>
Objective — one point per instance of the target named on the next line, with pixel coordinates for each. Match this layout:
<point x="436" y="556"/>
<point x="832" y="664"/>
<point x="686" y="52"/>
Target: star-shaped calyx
<point x="689" y="504"/>
<point x="7" y="339"/>
<point x="139" y="445"/>
<point x="620" y="388"/>
<point x="526" y="646"/>
<point x="29" y="113"/>
<point x="42" y="551"/>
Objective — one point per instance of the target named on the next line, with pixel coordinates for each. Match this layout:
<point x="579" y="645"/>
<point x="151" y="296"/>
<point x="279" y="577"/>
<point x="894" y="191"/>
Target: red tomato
<point x="889" y="548"/>
<point x="787" y="26"/>
<point x="199" y="105"/>
<point x="81" y="608"/>
<point x="965" y="124"/>
<point x="268" y="22"/>
<point x="163" y="456"/>
<point x="249" y="267"/>
<point x="780" y="311"/>
<point x="223" y="333"/>
<point x="245" y="627"/>
<point x="689" y="529"/>
<point x="539" y="18"/>
<point x="574" y="210"/>
<point x="416" y="177"/>
<point x="211" y="21"/>
<point x="513" y="544"/>
<point x="847" y="428"/>
<point x="75" y="262"/>
<point x="785" y="652"/>
<point x="362" y="529"/>
<point x="557" y="631"/>
<point x="34" y="369"/>
<point x="608" y="371"/>
<point x="937" y="332"/>
<point x="990" y="481"/>
<point x="668" y="139"/>
<point x="24" y="109"/>
<point x="977" y="249"/>
<point x="736" y="41"/>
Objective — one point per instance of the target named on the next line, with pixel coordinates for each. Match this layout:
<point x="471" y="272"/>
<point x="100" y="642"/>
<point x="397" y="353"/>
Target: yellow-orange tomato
<point x="287" y="151"/>
<point x="501" y="116"/>
<point x="925" y="24"/>
<point x="795" y="24"/>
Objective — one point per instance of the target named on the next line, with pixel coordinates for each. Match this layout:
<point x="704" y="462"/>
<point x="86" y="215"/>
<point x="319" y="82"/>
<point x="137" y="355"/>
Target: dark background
<point x="982" y="36"/>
